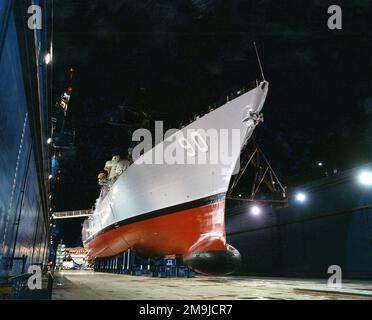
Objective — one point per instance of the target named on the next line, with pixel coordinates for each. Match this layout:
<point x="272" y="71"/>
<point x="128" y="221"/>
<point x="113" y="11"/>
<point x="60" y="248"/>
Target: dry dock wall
<point x="24" y="222"/>
<point x="332" y="227"/>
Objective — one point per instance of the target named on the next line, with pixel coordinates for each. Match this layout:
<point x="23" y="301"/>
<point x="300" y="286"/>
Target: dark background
<point x="173" y="59"/>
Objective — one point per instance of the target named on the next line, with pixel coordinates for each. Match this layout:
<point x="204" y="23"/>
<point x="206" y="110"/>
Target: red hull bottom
<point x="197" y="235"/>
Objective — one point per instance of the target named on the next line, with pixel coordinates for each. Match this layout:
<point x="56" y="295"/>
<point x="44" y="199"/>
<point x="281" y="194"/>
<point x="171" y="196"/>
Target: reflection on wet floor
<point x="89" y="285"/>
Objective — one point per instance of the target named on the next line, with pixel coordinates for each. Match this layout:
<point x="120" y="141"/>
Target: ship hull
<point x="195" y="227"/>
<point x="161" y="209"/>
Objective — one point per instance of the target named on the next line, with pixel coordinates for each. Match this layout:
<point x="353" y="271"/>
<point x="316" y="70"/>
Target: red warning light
<point x="72" y="71"/>
<point x="69" y="89"/>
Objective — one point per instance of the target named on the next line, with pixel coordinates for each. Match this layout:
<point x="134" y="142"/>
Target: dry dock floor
<point x="89" y="285"/>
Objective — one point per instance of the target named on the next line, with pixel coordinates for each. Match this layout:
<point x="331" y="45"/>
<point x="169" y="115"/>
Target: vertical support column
<point x="123" y="263"/>
<point x="128" y="260"/>
<point x="118" y="260"/>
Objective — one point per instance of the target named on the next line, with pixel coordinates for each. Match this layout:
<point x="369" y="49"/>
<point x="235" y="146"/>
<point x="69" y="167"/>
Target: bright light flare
<point x="365" y="178"/>
<point x="255" y="210"/>
<point x="300" y="197"/>
<point x="48" y="58"/>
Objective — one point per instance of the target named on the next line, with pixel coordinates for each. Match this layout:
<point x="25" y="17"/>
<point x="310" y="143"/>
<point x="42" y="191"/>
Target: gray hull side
<point x="145" y="188"/>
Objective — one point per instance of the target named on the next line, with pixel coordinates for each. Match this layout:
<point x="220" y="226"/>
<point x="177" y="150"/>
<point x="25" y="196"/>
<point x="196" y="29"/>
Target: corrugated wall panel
<point x="23" y="231"/>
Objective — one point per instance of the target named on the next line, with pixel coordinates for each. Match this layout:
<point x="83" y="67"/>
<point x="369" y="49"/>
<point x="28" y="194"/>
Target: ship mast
<point x="259" y="61"/>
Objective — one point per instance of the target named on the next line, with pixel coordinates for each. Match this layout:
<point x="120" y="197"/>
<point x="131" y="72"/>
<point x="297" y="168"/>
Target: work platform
<point x="72" y="214"/>
<point x="89" y="285"/>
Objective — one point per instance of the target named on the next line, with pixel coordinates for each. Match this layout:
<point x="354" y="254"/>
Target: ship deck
<point x="89" y="285"/>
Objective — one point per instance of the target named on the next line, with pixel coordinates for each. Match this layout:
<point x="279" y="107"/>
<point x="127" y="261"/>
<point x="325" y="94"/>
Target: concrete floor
<point x="88" y="285"/>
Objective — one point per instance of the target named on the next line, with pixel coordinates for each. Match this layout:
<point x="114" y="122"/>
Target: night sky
<point x="172" y="59"/>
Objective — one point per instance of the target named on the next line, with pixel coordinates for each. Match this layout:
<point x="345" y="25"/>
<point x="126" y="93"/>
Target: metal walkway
<point x="72" y="214"/>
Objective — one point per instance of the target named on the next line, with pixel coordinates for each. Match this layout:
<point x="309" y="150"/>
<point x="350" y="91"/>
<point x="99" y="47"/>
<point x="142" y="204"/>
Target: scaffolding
<point x="265" y="187"/>
<point x="72" y="214"/>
